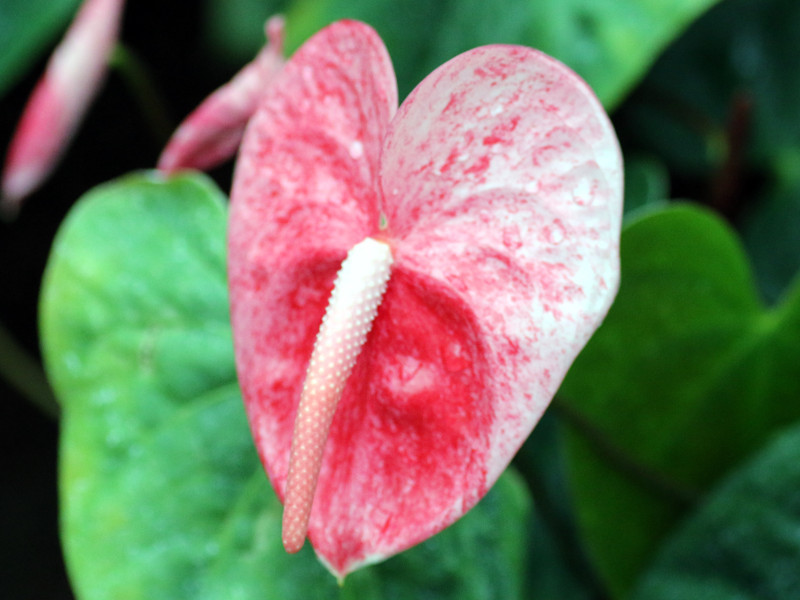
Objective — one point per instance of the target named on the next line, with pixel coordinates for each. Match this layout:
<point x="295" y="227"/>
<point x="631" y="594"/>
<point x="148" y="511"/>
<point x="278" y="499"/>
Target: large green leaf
<point x="646" y="184"/>
<point x="771" y="233"/>
<point x="162" y="493"/>
<point x="687" y="375"/>
<point x="26" y="26"/>
<point x="611" y="43"/>
<point x="744" y="542"/>
<point x="732" y="125"/>
<point x="742" y="50"/>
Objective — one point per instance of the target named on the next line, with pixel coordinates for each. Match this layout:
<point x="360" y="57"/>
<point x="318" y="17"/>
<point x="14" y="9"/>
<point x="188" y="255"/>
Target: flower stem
<point x="141" y="84"/>
<point x="20" y="370"/>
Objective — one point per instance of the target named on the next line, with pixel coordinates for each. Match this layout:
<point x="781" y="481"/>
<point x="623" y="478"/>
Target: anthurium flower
<point x="475" y="234"/>
<point x="211" y="134"/>
<point x="71" y="80"/>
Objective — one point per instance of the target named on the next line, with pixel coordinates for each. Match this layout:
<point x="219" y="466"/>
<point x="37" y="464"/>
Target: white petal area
<point x="502" y="180"/>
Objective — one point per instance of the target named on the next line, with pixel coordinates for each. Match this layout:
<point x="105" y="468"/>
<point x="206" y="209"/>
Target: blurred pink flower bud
<point x="212" y="133"/>
<point x="72" y="78"/>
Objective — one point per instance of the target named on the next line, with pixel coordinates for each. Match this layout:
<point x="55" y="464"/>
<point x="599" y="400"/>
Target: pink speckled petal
<point x="503" y="185"/>
<point x="60" y="99"/>
<point x="500" y="179"/>
<point x="304" y="193"/>
<point x="211" y="134"/>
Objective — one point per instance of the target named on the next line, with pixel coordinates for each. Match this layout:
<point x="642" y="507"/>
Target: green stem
<point x="19" y="369"/>
<point x="141" y="84"/>
<point x="622" y="461"/>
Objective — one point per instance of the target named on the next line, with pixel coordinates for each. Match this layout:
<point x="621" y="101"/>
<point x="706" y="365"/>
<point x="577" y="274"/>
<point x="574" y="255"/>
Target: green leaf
<point x="772" y="237"/>
<point x="744" y="542"/>
<point x="688" y="374"/>
<point x="26" y="27"/>
<point x="740" y="51"/>
<point x="732" y="125"/>
<point x="559" y="568"/>
<point x="646" y="184"/>
<point x="409" y="29"/>
<point x="610" y="43"/>
<point x="162" y="493"/>
<point x="235" y="28"/>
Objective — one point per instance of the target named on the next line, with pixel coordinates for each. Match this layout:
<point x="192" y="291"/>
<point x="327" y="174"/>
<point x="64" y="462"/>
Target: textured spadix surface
<point x="497" y="186"/>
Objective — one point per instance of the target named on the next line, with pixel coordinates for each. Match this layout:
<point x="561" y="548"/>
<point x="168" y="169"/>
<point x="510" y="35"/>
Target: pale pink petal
<point x="304" y="193"/>
<point x="492" y="292"/>
<point x="60" y="99"/>
<point x="211" y="134"/>
<point x="503" y="187"/>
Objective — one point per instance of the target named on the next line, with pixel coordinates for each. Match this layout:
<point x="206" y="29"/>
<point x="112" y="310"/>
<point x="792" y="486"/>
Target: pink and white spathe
<point x="480" y="225"/>
<point x="71" y="80"/>
<point x="211" y="134"/>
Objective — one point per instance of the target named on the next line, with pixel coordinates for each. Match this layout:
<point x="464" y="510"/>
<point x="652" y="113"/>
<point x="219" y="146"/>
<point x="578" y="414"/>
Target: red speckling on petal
<point x="497" y="184"/>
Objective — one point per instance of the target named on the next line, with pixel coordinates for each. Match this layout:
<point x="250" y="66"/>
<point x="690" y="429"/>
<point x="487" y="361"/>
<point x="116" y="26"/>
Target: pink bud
<point x="60" y="99"/>
<point x="493" y="201"/>
<point x="211" y="134"/>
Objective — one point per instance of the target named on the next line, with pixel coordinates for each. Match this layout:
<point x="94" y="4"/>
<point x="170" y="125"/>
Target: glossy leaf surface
<point x="611" y="44"/>
<point x="743" y="542"/>
<point x="697" y="371"/>
<point x="162" y="492"/>
<point x="731" y="127"/>
<point x="26" y="27"/>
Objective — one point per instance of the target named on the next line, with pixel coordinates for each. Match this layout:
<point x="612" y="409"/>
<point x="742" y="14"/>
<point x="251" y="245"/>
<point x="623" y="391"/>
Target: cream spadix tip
<point x="353" y="305"/>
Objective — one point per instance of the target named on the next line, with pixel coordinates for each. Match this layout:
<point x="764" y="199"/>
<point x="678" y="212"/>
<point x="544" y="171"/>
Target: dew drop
<point x="511" y="237"/>
<point x="356" y="150"/>
<point x="532" y="187"/>
<point x="556" y="232"/>
<point x="582" y="192"/>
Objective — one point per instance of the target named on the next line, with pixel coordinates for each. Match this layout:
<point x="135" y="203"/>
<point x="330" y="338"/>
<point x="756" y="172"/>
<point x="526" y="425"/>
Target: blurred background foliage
<point x="691" y="376"/>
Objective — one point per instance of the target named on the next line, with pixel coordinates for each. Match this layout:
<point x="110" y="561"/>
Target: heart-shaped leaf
<point x="497" y="190"/>
<point x="687" y="375"/>
<point x="162" y="492"/>
<point x="744" y="542"/>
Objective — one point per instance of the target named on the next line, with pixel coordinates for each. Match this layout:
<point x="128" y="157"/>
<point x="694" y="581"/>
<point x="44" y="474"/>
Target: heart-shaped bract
<point x="497" y="188"/>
